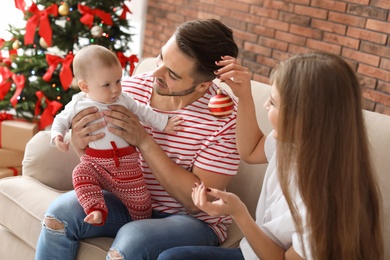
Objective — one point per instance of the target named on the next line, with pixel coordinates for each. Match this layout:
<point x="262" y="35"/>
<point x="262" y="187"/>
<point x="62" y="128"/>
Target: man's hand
<point x="81" y="131"/>
<point x="127" y="125"/>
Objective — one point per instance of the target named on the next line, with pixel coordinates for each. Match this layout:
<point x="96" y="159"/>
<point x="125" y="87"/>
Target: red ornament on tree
<point x="221" y="105"/>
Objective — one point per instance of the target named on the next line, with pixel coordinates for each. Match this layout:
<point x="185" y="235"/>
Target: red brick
<point x="247" y="36"/>
<point x="367" y="11"/>
<point x="384" y="86"/>
<point x="374" y="72"/>
<point x="301" y="2"/>
<point x="385" y="110"/>
<point x="347" y="19"/>
<point x="280" y="55"/>
<point x="375" y="49"/>
<point x="311" y="11"/>
<point x="330" y="5"/>
<point x="368" y="105"/>
<point x="275" y="24"/>
<point x="261" y="30"/>
<point x="363" y="34"/>
<point x="378" y="26"/>
<point x="376" y="96"/>
<point x="264" y="12"/>
<point x="273" y="43"/>
<point x="233" y="5"/>
<point x="323" y="46"/>
<point x="242" y="16"/>
<point x="385" y="64"/>
<point x="362" y="2"/>
<point x="289" y="37"/>
<point x="367" y="82"/>
<point x="329" y="26"/>
<point x="294" y="18"/>
<point x="266" y="61"/>
<point x="292" y="48"/>
<point x="279" y="5"/>
<point x="384" y="4"/>
<point x="305" y="31"/>
<point x="341" y="40"/>
<point x="257" y="49"/>
<point x="257" y="68"/>
<point x="361" y="57"/>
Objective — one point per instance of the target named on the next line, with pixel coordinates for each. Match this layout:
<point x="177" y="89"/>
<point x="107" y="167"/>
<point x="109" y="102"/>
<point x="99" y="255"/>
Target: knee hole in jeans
<point x="113" y="254"/>
<point x="53" y="224"/>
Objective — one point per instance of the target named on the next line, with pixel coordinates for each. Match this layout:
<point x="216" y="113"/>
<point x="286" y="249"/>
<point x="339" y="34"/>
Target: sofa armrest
<point x="47" y="164"/>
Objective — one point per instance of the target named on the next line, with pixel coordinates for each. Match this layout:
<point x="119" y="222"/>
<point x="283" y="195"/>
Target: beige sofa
<point x="47" y="174"/>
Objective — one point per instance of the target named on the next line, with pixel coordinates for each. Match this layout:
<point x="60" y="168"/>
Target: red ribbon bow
<point x="89" y="14"/>
<point x="19" y="80"/>
<point x="5" y="85"/>
<point x="41" y="18"/>
<point x="124" y="12"/>
<point x="123" y="60"/>
<point x="20" y="4"/>
<point x="66" y="76"/>
<point x="50" y="111"/>
<point x="5" y="116"/>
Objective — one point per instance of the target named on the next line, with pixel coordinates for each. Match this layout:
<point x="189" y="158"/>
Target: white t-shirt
<point x="80" y="101"/>
<point x="272" y="213"/>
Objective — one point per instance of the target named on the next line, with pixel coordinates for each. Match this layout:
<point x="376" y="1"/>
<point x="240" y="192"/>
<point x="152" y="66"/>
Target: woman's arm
<point x="229" y="203"/>
<point x="250" y="139"/>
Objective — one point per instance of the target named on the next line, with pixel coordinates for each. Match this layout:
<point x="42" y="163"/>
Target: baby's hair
<point x="89" y="56"/>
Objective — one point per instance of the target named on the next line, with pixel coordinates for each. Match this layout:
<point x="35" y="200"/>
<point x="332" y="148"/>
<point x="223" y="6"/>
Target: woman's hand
<point x="223" y="203"/>
<point x="81" y="131"/>
<point x="127" y="125"/>
<point x="237" y="77"/>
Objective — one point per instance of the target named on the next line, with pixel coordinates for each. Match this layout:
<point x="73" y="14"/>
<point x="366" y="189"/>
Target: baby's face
<point x="104" y="84"/>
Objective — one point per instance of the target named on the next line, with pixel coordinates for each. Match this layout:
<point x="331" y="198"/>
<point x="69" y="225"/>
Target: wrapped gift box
<point x="10" y="171"/>
<point x="10" y="158"/>
<point x="15" y="134"/>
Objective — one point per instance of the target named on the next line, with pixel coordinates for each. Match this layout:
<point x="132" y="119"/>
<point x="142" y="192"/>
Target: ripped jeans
<point x="141" y="239"/>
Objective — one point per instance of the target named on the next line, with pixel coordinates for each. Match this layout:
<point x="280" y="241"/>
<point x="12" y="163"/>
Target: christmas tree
<point x="36" y="79"/>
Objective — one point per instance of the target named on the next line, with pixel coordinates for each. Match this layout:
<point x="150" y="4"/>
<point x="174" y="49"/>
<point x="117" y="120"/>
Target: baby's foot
<point x="95" y="217"/>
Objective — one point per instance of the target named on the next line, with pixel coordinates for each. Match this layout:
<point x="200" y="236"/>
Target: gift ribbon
<point x="19" y="80"/>
<point x="89" y="14"/>
<point x="50" y="111"/>
<point x="40" y="18"/>
<point x="124" y="12"/>
<point x="15" y="171"/>
<point x="20" y="4"/>
<point x="66" y="76"/>
<point x="123" y="60"/>
<point x="5" y="85"/>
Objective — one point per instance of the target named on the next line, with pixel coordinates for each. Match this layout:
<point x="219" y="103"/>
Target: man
<point x="204" y="151"/>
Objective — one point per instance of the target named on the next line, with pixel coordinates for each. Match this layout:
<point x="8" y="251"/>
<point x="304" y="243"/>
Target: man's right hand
<point x="81" y="131"/>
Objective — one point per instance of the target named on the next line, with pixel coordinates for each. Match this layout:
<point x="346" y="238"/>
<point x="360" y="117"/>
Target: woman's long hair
<point x="322" y="137"/>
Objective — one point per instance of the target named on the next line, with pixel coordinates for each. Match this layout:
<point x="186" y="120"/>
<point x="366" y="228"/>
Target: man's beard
<point x="176" y="94"/>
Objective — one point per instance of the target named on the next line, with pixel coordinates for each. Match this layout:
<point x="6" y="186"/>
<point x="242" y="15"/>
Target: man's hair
<point x="205" y="41"/>
<point x="93" y="54"/>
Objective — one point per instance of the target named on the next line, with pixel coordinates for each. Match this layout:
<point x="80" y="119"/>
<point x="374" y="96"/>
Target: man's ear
<point x="204" y="86"/>
<point x="83" y="86"/>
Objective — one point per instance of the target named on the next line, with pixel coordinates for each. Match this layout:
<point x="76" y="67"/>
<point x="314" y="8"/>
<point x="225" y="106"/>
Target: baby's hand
<point x="173" y="125"/>
<point x="61" y="145"/>
<point x="95" y="217"/>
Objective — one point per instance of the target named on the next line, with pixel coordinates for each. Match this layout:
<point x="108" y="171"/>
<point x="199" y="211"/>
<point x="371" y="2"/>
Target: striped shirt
<point x="206" y="142"/>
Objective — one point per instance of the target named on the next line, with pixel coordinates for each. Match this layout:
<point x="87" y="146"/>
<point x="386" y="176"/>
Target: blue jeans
<point x="201" y="252"/>
<point x="141" y="239"/>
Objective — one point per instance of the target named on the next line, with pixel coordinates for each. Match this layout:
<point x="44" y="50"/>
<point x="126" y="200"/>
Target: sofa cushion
<point x="49" y="165"/>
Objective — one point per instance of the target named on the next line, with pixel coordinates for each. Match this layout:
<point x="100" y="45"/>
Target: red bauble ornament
<point x="221" y="105"/>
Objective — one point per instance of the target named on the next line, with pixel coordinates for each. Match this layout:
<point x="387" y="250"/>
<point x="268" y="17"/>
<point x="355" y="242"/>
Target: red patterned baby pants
<point x="117" y="171"/>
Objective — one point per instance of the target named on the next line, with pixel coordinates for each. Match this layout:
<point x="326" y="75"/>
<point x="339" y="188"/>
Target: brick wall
<point x="268" y="31"/>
